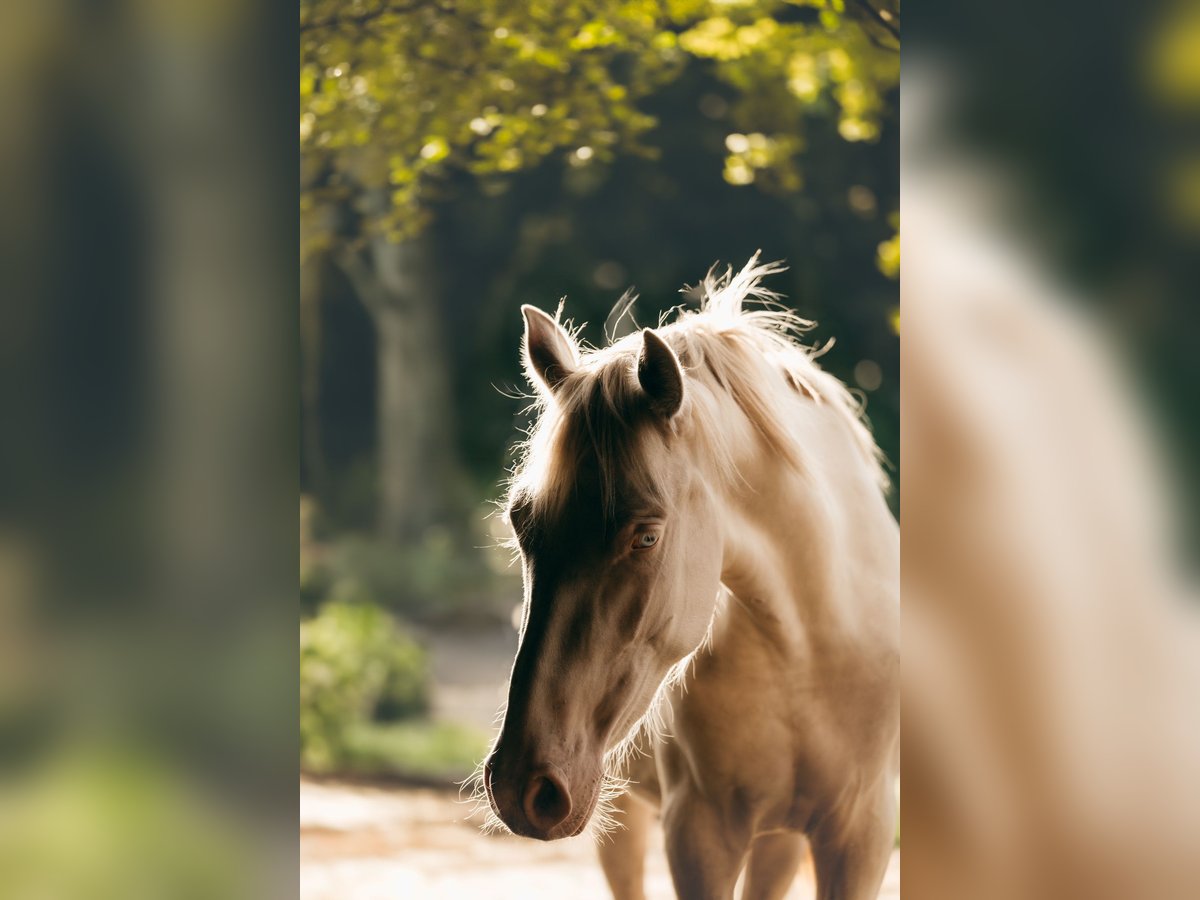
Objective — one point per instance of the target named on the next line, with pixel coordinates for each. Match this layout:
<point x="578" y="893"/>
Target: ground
<point x="375" y="842"/>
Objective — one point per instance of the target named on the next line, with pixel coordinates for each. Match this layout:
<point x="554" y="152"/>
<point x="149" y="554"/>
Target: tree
<point x="397" y="97"/>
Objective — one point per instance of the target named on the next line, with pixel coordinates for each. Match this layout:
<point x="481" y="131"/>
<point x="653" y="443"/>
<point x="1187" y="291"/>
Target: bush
<point x="355" y="660"/>
<point x="405" y="690"/>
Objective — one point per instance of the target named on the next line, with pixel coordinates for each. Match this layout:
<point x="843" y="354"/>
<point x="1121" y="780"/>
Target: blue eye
<point x="645" y="540"/>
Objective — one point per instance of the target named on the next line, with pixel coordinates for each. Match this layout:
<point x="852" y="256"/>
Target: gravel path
<point x="371" y="843"/>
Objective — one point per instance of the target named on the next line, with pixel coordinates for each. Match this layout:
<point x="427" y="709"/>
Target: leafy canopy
<point x="397" y="95"/>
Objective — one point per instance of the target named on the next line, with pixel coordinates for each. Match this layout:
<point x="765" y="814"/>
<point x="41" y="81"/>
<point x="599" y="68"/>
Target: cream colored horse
<point x="710" y="564"/>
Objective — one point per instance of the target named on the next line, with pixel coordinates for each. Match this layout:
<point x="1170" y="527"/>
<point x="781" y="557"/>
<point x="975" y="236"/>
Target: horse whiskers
<point x="473" y="785"/>
<point x="476" y="788"/>
<point x="604" y="820"/>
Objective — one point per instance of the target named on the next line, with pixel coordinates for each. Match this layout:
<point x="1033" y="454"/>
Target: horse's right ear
<point x="548" y="352"/>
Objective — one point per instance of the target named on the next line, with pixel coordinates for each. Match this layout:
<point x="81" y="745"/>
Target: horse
<point x="710" y="608"/>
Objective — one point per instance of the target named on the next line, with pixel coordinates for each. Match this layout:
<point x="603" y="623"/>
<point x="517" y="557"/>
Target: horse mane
<point x="741" y="343"/>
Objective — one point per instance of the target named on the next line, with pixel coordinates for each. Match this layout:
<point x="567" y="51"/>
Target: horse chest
<point x="757" y="744"/>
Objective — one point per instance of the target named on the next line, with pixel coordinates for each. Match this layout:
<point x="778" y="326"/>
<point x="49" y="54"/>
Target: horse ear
<point x="660" y="375"/>
<point x="548" y="351"/>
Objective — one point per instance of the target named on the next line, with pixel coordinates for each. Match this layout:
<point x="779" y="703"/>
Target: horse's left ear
<point x="660" y="375"/>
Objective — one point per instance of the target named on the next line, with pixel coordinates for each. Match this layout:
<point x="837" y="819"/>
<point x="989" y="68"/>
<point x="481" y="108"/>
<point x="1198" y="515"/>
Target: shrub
<point x="354" y="659"/>
<point x="405" y="691"/>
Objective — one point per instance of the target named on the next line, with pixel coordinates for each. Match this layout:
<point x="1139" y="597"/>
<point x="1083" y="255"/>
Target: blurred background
<point x="148" y="464"/>
<point x="162" y="356"/>
<point x="460" y="160"/>
<point x="1051" y="384"/>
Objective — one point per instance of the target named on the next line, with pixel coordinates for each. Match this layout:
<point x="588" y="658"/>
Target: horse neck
<point x="811" y="553"/>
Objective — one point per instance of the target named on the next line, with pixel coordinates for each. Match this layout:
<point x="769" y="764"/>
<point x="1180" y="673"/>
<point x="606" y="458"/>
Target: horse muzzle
<point x="540" y="801"/>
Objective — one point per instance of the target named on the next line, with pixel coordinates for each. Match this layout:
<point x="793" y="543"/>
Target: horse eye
<point x="645" y="540"/>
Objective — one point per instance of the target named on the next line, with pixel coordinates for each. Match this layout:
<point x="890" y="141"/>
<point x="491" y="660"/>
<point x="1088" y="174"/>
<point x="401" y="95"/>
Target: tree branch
<point x="889" y="23"/>
<point x="876" y="41"/>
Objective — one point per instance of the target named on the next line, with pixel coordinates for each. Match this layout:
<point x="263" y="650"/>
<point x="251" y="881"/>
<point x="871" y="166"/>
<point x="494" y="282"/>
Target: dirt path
<point x="371" y="843"/>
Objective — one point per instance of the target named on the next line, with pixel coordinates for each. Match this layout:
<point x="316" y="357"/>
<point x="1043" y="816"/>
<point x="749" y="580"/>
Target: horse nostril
<point x="547" y="802"/>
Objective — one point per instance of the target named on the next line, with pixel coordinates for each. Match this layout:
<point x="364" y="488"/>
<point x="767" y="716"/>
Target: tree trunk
<point x="416" y="457"/>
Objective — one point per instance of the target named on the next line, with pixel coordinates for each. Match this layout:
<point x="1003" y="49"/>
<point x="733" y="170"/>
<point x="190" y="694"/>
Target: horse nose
<point x="546" y="801"/>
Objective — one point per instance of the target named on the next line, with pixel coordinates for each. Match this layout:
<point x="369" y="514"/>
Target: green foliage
<point x="888" y="257"/>
<point x="405" y="690"/>
<point x="397" y="95"/>
<point x="445" y="751"/>
<point x="787" y="72"/>
<point x="110" y="823"/>
<point x="354" y="660"/>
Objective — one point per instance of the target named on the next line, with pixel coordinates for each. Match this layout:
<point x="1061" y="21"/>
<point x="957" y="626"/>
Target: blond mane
<point x="741" y="344"/>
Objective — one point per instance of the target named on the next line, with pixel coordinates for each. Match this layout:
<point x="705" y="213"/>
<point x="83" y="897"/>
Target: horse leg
<point x="774" y="859"/>
<point x="623" y="850"/>
<point x="705" y="855"/>
<point x="851" y="857"/>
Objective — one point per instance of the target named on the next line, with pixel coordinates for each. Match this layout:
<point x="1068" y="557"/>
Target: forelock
<point x="598" y="426"/>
